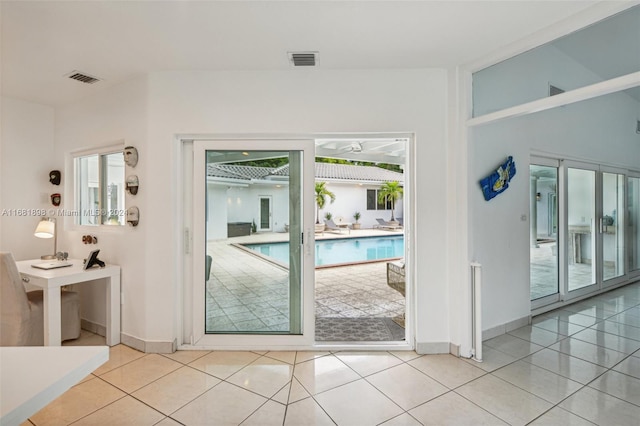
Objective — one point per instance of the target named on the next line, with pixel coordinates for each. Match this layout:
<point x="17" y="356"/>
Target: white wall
<point x="217" y="216"/>
<point x="114" y="116"/>
<point x="351" y="197"/>
<point x="242" y="204"/>
<point x="599" y="130"/>
<point x="27" y="157"/>
<point x="149" y="112"/>
<point x="300" y="102"/>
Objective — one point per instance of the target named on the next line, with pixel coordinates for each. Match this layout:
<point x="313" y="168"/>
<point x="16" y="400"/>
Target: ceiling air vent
<point x="82" y="77"/>
<point x="303" y="59"/>
<point x="553" y="90"/>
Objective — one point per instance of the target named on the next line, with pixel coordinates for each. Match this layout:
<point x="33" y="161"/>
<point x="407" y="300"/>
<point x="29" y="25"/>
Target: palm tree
<point x="390" y="191"/>
<point x="321" y="198"/>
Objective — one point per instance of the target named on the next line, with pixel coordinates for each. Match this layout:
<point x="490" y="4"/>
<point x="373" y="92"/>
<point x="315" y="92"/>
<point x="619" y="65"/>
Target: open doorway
<point x="360" y="280"/>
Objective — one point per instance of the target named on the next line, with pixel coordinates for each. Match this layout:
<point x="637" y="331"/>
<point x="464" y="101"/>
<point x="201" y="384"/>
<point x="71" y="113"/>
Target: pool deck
<point x="245" y="291"/>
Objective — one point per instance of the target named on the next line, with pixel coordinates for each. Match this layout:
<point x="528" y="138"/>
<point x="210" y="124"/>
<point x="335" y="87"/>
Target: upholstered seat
<point x="22" y="312"/>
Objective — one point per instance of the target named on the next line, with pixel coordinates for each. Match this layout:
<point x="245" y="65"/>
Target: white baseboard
<point x="454" y="349"/>
<point x="431" y="348"/>
<point x="505" y="328"/>
<point x="149" y="347"/>
<point x="93" y="327"/>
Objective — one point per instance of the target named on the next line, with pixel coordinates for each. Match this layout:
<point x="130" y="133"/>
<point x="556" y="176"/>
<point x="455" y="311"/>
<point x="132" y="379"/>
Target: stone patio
<point x="248" y="294"/>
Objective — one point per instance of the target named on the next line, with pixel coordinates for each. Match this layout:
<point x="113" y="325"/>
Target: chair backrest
<point x="14" y="305"/>
<point x="330" y="223"/>
<point x="381" y="221"/>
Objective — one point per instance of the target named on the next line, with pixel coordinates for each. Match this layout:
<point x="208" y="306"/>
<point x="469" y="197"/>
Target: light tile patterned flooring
<point x="575" y="366"/>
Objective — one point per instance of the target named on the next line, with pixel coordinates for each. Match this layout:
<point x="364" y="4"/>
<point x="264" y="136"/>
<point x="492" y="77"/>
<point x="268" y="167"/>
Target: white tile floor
<point x="576" y="366"/>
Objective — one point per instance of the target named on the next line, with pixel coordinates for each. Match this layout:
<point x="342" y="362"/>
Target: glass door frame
<point x="596" y="285"/>
<point x="635" y="274"/>
<point x="560" y="240"/>
<point x="615" y="281"/>
<point x="195" y="294"/>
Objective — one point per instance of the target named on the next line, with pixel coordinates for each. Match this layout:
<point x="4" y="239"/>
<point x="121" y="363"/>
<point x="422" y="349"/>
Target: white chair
<point x="383" y="224"/>
<point x="22" y="312"/>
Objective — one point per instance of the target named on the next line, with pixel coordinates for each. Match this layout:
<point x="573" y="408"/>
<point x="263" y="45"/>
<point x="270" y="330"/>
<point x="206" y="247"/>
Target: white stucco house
<point x="240" y="195"/>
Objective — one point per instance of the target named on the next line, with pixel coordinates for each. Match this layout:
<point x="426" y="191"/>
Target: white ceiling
<point x="121" y="40"/>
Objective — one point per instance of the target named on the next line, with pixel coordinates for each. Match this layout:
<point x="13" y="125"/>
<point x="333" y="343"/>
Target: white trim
<point x="584" y="93"/>
<point x="109" y="148"/>
<point x="149" y="346"/>
<point x="459" y="236"/>
<point x="186" y="340"/>
<point x="501" y="329"/>
<point x="433" y="348"/>
<point x="245" y="341"/>
<point x="71" y="187"/>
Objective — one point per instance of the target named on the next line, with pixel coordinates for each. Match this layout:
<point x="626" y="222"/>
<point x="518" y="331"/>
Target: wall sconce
<point x="538" y="196"/>
<point x="47" y="229"/>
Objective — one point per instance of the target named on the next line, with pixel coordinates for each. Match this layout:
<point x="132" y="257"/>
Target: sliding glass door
<point x="581" y="226"/>
<point x="544" y="265"/>
<point x="633" y="224"/>
<point x="612" y="226"/>
<point x="584" y="229"/>
<point x="249" y="192"/>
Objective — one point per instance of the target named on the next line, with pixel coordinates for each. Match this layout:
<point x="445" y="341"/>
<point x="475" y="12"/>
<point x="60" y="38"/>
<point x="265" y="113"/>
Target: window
<point x="373" y="203"/>
<point x="100" y="184"/>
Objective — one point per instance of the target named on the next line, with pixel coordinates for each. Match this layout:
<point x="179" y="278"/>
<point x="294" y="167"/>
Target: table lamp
<point x="47" y="229"/>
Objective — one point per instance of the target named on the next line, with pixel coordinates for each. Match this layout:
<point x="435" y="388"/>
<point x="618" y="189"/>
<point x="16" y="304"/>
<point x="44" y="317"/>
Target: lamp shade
<point x="45" y="229"/>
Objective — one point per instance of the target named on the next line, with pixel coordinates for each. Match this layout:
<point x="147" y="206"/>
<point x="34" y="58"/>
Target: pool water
<point x="343" y="250"/>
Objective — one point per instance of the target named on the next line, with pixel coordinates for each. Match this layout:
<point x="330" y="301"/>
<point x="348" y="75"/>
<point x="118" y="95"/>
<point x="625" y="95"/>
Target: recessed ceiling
<point x="43" y="41"/>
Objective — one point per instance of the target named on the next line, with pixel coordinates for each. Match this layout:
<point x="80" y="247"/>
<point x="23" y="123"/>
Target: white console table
<point x="31" y="377"/>
<point x="51" y="281"/>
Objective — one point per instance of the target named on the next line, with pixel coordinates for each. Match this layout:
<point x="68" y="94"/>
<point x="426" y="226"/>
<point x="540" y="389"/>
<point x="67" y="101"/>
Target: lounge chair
<point x="395" y="276"/>
<point x="330" y="225"/>
<point x="386" y="225"/>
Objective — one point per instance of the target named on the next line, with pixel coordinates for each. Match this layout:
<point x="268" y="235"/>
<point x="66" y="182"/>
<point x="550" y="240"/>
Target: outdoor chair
<point x="386" y="225"/>
<point x="22" y="320"/>
<point x="395" y="276"/>
<point x="330" y="225"/>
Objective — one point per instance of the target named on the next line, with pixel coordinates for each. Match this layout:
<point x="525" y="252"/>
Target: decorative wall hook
<point x="131" y="156"/>
<point x="54" y="177"/>
<point x="56" y="199"/>
<point x="132" y="184"/>
<point x="133" y="216"/>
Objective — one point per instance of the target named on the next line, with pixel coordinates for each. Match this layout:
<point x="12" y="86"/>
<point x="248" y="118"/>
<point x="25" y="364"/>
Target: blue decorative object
<point x="498" y="181"/>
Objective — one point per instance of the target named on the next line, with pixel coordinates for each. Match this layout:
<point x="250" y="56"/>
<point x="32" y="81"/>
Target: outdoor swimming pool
<point x="338" y="251"/>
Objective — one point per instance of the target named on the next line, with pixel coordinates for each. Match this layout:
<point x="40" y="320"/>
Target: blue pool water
<point x="344" y="250"/>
